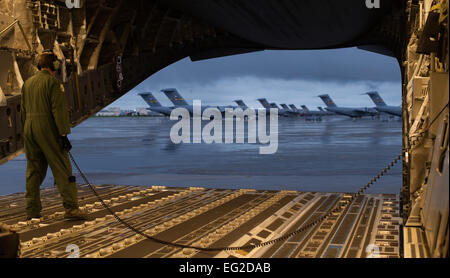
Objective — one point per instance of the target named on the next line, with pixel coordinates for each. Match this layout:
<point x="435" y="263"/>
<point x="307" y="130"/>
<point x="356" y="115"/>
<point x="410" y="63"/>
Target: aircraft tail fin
<point x="327" y="100"/>
<point x="264" y="102"/>
<point x="174" y="97"/>
<point x="376" y="98"/>
<point x="293" y="107"/>
<point x="241" y="104"/>
<point x="150" y="99"/>
<point x="274" y="105"/>
<point x="305" y="108"/>
<point x="285" y="106"/>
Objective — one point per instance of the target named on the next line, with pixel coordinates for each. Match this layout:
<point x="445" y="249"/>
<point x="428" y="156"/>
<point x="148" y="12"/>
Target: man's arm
<point x="60" y="109"/>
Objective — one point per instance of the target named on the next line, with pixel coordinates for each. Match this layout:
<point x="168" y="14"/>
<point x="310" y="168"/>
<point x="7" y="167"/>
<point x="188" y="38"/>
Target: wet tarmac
<point x="334" y="155"/>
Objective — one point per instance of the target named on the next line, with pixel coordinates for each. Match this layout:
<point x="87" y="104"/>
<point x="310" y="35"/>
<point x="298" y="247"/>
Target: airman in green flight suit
<point x="45" y="122"/>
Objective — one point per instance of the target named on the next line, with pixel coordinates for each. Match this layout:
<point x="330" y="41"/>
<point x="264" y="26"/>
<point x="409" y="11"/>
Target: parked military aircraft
<point x="281" y="111"/>
<point x="289" y="111"/>
<point x="312" y="115"/>
<point x="381" y="106"/>
<point x="178" y="101"/>
<point x="285" y="107"/>
<point x="327" y="112"/>
<point x="241" y="104"/>
<point x="267" y="105"/>
<point x="155" y="105"/>
<point x="347" y="111"/>
<point x="317" y="113"/>
<point x="294" y="108"/>
<point x="264" y="103"/>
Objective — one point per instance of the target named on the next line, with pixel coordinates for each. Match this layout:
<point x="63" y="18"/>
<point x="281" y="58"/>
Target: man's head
<point x="48" y="61"/>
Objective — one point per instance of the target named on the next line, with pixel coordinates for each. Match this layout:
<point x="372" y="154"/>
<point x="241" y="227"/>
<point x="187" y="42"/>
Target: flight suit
<point x="45" y="118"/>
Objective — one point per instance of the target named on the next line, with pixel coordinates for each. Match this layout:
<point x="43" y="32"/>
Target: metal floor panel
<point x="368" y="227"/>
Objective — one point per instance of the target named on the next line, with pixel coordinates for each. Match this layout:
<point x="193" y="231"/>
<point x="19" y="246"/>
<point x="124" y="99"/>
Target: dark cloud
<point x="344" y="65"/>
<point x="282" y="76"/>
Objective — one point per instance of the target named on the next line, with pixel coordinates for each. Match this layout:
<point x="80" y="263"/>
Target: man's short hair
<point x="46" y="60"/>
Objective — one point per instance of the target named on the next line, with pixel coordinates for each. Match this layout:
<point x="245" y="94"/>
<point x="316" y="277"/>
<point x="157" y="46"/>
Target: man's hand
<point x="66" y="143"/>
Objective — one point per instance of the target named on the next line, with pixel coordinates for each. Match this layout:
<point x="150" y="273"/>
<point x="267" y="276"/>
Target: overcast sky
<point x="280" y="76"/>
